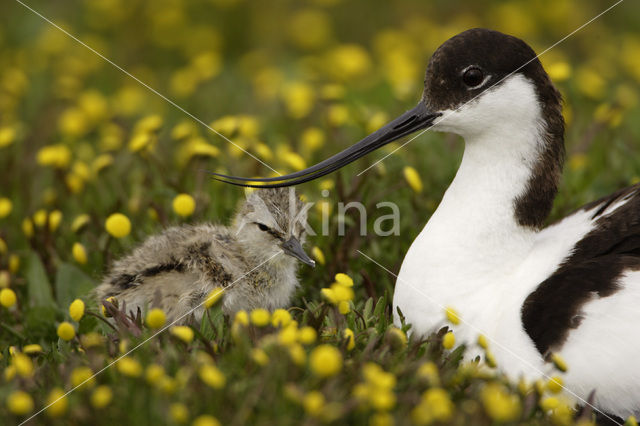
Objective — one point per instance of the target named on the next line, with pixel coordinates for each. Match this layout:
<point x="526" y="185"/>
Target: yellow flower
<point x="82" y="376"/>
<point x="482" y="341"/>
<point x="20" y="403"/>
<point x="260" y="317"/>
<point x="5" y="207"/>
<point x="40" y="218"/>
<point x="344" y="279"/>
<point x="57" y="156"/>
<point x="313" y="403"/>
<point x="100" y="163"/>
<point x="312" y="139"/>
<point x="91" y="339"/>
<point x="141" y="141"/>
<point x="337" y="115"/>
<point x="429" y="372"/>
<point x="325" y="360"/>
<point x="293" y="160"/>
<point x="349" y="336"/>
<point x="309" y="28"/>
<point x="550" y="403"/>
<point x="179" y="412"/>
<point x="118" y="225"/>
<point x="559" y="71"/>
<point x="631" y="421"/>
<point x="183" y="333"/>
<point x="33" y="348"/>
<point x="129" y="367"/>
<point x="590" y="83"/>
<point x="55" y="217"/>
<point x="559" y="362"/>
<point x="80" y="222"/>
<point x="23" y="365"/>
<point x="499" y="404"/>
<point x="79" y="253"/>
<point x="318" y="255"/>
<point x="27" y="227"/>
<point x="73" y="122"/>
<point x="259" y="356"/>
<point x="3" y="251"/>
<point x="7" y="135"/>
<point x="555" y="384"/>
<point x="343" y="307"/>
<point x="212" y="376"/>
<point x="66" y="331"/>
<point x="413" y="179"/>
<point x="184" y="205"/>
<point x="452" y="315"/>
<point x="242" y="318"/>
<point x="382" y="399"/>
<point x="348" y="61"/>
<point x="205" y="420"/>
<point x="101" y="396"/>
<point x="7" y="297"/>
<point x="299" y="99"/>
<point x="448" y="340"/>
<point x="57" y="403"/>
<point x="297" y="354"/>
<point x="76" y="309"/>
<point x="155" y="318"/>
<point x="288" y="335"/>
<point x="307" y="335"/>
<point x="183" y="130"/>
<point x="150" y="123"/>
<point x="439" y="403"/>
<point x="14" y="263"/>
<point x="381" y="419"/>
<point x="154" y="374"/>
<point x="397" y="336"/>
<point x="213" y="297"/>
<point x="280" y="318"/>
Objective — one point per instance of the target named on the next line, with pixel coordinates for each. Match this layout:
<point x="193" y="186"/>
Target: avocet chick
<point x="254" y="260"/>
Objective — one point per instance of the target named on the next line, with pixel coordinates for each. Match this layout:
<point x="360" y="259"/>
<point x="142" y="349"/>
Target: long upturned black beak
<point x="292" y="247"/>
<point x="415" y="119"/>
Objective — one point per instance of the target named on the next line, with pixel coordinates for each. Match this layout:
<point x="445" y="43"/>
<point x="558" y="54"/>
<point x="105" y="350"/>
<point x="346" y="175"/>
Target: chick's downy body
<point x="254" y="260"/>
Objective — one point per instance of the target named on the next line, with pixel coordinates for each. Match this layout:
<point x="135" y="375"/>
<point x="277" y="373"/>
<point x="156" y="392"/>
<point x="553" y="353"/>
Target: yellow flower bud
<point x="184" y="205"/>
<point x="212" y="376"/>
<point x="183" y="333"/>
<point x="179" y="412"/>
<point x="205" y="420"/>
<point x="325" y="360"/>
<point x="154" y="374"/>
<point x="27" y="227"/>
<point x="118" y="225"/>
<point x="57" y="403"/>
<point x="452" y="315"/>
<point x="241" y="318"/>
<point x="7" y="297"/>
<point x="23" y="365"/>
<point x="101" y="396"/>
<point x="344" y="279"/>
<point x="76" y="309"/>
<point x="155" y="318"/>
<point x="350" y="337"/>
<point x="259" y="356"/>
<point x="280" y="318"/>
<point x="20" y="403"/>
<point x="79" y="253"/>
<point x="5" y="207"/>
<point x="129" y="367"/>
<point x="413" y="179"/>
<point x="33" y="348"/>
<point x="260" y="317"/>
<point x="55" y="217"/>
<point x="213" y="297"/>
<point x="66" y="331"/>
<point x="318" y="255"/>
<point x="448" y="340"/>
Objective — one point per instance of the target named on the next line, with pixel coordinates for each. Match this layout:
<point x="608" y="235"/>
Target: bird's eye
<point x="263" y="227"/>
<point x="473" y="77"/>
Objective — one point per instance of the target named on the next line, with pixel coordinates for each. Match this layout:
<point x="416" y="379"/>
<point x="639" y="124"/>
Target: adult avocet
<point x="572" y="288"/>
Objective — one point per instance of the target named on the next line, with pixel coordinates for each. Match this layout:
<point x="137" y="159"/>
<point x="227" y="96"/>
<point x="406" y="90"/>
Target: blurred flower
<point x="429" y="371"/>
<point x="178" y="412"/>
<point x="241" y="318"/>
<point x="73" y="122"/>
<point x="293" y="160"/>
<point x="260" y="317"/>
<point x="555" y="384"/>
<point x="33" y="348"/>
<point x="307" y="335"/>
<point x="118" y="225"/>
<point x="590" y="83"/>
<point x="55" y="217"/>
<point x="413" y="179"/>
<point x="559" y="362"/>
<point x="76" y="309"/>
<point x="452" y="315"/>
<point x="5" y="207"/>
<point x="66" y="331"/>
<point x="206" y="419"/>
<point x="325" y="361"/>
<point x="14" y="261"/>
<point x="7" y="135"/>
<point x="212" y="376"/>
<point x="23" y="365"/>
<point x="347" y="62"/>
<point x="79" y="253"/>
<point x="155" y="318"/>
<point x="58" y="156"/>
<point x="499" y="404"/>
<point x="7" y="297"/>
<point x="27" y="227"/>
<point x="57" y="402"/>
<point x="40" y="218"/>
<point x="184" y="205"/>
<point x="129" y="367"/>
<point x="154" y="374"/>
<point x="259" y="356"/>
<point x="213" y="297"/>
<point x="435" y="405"/>
<point x="482" y="341"/>
<point x="20" y="403"/>
<point x="318" y="255"/>
<point x="183" y="333"/>
<point x="397" y="337"/>
<point x="310" y="28"/>
<point x="559" y="71"/>
<point x="338" y="115"/>
<point x="448" y="340"/>
<point x="101" y="396"/>
<point x="280" y="318"/>
<point x="299" y="99"/>
<point x="313" y="403"/>
<point x="350" y="337"/>
<point x="82" y="376"/>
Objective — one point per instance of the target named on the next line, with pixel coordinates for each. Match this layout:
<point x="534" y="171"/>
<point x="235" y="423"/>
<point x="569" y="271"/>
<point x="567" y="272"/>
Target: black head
<point x="461" y="70"/>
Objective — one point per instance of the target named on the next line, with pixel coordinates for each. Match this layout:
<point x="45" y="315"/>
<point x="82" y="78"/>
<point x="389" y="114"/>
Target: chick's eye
<point x="263" y="227"/>
<point x="473" y="77"/>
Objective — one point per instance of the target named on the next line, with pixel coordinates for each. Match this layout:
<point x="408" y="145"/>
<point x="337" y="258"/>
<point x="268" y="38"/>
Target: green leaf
<point x="37" y="282"/>
<point x="71" y="283"/>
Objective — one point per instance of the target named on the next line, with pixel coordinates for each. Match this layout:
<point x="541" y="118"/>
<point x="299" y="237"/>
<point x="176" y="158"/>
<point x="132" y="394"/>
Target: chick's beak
<point x="292" y="247"/>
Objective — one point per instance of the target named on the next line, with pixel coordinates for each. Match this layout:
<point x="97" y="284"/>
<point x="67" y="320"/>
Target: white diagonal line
<point x="145" y="341"/>
<point x="147" y="86"/>
<point x="496" y="343"/>
<point x="448" y="113"/>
